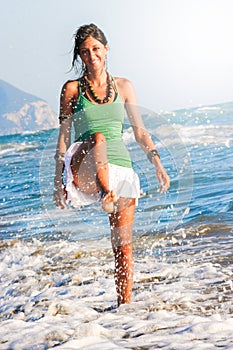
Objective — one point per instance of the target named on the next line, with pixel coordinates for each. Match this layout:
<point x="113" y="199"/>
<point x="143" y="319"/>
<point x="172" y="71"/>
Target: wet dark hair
<point x="81" y="35"/>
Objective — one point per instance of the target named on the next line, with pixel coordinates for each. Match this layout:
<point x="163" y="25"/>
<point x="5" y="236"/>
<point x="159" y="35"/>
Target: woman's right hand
<point x="59" y="195"/>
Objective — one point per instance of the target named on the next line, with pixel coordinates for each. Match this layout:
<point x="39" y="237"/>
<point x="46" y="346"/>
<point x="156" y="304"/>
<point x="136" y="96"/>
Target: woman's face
<point x="92" y="53"/>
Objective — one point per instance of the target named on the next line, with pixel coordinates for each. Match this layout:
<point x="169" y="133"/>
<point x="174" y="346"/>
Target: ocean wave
<point x="208" y="108"/>
<point x="16" y="147"/>
<point x="200" y="134"/>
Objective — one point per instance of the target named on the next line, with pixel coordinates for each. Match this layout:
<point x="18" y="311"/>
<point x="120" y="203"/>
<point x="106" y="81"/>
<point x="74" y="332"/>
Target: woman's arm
<point x="67" y="100"/>
<point x="142" y="136"/>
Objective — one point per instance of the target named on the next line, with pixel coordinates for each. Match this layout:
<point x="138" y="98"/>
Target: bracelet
<point x="151" y="154"/>
<point x="65" y="116"/>
<point x="59" y="156"/>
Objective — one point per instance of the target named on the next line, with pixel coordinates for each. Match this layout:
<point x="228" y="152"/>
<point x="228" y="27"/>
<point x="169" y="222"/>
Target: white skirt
<point x="121" y="179"/>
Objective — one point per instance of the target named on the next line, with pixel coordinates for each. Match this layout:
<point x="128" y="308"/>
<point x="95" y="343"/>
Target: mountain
<point x="20" y="111"/>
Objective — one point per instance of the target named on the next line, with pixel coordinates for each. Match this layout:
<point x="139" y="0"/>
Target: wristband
<point x="151" y="154"/>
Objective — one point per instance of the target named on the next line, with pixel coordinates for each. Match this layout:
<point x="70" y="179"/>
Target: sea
<point x="56" y="266"/>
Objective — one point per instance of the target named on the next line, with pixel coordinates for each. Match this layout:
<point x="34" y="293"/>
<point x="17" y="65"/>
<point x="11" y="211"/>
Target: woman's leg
<point x="121" y="223"/>
<point x="89" y="166"/>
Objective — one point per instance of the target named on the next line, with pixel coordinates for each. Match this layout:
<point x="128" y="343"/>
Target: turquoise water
<point x="196" y="149"/>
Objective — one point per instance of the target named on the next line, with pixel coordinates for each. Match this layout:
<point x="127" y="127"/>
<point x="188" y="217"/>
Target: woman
<point x="98" y="165"/>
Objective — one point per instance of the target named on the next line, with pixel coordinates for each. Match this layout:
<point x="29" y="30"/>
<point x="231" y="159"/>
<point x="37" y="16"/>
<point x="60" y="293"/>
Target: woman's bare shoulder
<point x="70" y="86"/>
<point x="125" y="88"/>
<point x="123" y="82"/>
<point x="69" y="91"/>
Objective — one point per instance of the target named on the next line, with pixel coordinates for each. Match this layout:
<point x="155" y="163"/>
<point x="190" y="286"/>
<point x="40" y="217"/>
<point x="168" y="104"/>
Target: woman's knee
<point x="97" y="138"/>
<point x="122" y="241"/>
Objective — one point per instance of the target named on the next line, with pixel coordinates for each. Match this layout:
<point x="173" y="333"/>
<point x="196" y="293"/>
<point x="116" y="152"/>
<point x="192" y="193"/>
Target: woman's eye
<point x="84" y="52"/>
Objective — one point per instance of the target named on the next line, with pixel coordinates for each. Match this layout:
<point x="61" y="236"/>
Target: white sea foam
<point x="62" y="294"/>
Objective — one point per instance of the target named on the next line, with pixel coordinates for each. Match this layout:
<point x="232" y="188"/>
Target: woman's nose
<point x="91" y="54"/>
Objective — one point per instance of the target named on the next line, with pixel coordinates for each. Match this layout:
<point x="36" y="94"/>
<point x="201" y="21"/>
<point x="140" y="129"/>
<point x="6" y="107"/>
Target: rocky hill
<point x="20" y="111"/>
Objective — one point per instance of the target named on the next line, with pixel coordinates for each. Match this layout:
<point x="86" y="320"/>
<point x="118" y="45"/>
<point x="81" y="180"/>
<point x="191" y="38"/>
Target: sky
<point x="177" y="53"/>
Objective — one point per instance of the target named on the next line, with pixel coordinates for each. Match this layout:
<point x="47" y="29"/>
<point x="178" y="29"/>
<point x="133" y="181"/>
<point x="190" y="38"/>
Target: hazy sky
<point x="178" y="53"/>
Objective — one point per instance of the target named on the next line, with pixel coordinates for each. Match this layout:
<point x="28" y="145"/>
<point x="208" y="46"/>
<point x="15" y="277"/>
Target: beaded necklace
<point x="94" y="96"/>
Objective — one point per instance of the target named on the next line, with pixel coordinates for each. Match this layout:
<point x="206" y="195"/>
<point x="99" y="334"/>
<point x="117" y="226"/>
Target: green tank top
<point x="108" y="119"/>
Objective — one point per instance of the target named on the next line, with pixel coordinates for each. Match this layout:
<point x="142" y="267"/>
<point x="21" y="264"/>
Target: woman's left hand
<point x="163" y="178"/>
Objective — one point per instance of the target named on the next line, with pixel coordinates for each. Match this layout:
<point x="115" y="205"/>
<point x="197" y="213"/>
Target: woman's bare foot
<point x="108" y="199"/>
